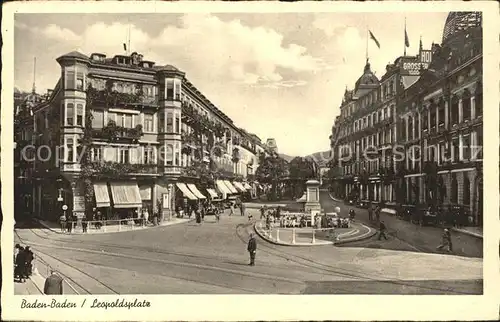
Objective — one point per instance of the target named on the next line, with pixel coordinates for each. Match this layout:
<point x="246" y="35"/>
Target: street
<point x="212" y="258"/>
<point x="408" y="236"/>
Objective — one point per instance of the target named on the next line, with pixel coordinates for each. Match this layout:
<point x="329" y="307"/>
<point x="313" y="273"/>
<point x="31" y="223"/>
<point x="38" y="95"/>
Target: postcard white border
<point x="271" y="307"/>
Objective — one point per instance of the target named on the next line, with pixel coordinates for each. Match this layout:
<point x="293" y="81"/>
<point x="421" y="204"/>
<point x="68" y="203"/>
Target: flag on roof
<point x="374" y="39"/>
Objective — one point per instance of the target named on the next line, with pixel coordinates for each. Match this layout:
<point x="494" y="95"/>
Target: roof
<point x="368" y="79"/>
<point x="74" y="54"/>
<point x="459" y="21"/>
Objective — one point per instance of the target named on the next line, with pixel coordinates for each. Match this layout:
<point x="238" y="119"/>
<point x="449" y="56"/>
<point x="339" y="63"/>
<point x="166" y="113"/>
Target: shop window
<point x="170" y="123"/>
<point x="466" y="190"/>
<point x="97" y="119"/>
<point x="454" y="189"/>
<point x="70" y="110"/>
<point x="79" y="114"/>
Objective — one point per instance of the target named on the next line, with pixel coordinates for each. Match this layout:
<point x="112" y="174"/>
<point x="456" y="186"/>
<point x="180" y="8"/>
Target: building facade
<point x="423" y="121"/>
<point x="121" y="134"/>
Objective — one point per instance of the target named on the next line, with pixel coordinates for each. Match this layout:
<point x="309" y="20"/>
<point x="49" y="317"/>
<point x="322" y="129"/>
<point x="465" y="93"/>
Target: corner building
<point x="429" y="135"/>
<point x="121" y="134"/>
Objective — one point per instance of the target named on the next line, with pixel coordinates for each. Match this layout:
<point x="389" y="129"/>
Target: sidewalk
<point x="54" y="227"/>
<point x="471" y="231"/>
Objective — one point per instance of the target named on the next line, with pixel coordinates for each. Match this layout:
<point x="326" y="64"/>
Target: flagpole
<point x="367" y="36"/>
<point x="404" y="43"/>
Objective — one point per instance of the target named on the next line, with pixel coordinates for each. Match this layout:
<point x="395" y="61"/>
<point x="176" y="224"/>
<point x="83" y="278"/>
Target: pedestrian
<point x="69" y="224"/>
<point x="252" y="249"/>
<point x="53" y="284"/>
<point x="231" y="209"/>
<point x="382" y="231"/>
<point x="242" y="209"/>
<point x="217" y="214"/>
<point x="84" y="224"/>
<point x="29" y="257"/>
<point x="62" y="222"/>
<point x="446" y="241"/>
<point x="262" y="212"/>
<point x="197" y="216"/>
<point x="19" y="269"/>
<point x="146" y="216"/>
<point x="370" y="211"/>
<point x="377" y="213"/>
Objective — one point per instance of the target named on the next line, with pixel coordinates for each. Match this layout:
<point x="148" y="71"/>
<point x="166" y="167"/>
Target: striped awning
<point x="230" y="186"/>
<point x="185" y="191"/>
<point x="222" y="187"/>
<point x="126" y="195"/>
<point x="101" y="195"/>
<point x="247" y="186"/>
<point x="195" y="191"/>
<point x="239" y="186"/>
<point x="212" y="193"/>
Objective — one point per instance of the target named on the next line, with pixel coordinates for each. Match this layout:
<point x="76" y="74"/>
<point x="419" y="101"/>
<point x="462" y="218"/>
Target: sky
<point x="279" y="76"/>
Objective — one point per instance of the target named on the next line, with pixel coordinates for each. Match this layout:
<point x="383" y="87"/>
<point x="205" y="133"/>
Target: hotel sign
<point x="415" y="66"/>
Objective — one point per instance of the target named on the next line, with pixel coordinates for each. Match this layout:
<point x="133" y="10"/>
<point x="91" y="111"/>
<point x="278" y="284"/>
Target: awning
<point x="126" y="195"/>
<point x="230" y="186"/>
<point x="101" y="195"/>
<point x="222" y="187"/>
<point x="247" y="186"/>
<point x="212" y="193"/>
<point x="185" y="191"/>
<point x="239" y="186"/>
<point x="195" y="191"/>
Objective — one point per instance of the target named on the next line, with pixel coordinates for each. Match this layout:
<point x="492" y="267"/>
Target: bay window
<point x="170" y="90"/>
<point x="178" y="123"/>
<point x="161" y="122"/>
<point x="169" y="154"/>
<point x="69" y="79"/>
<point x="69" y="147"/>
<point x="79" y="114"/>
<point x="170" y="123"/>
<point x="80" y="81"/>
<point x="70" y="110"/>
<point x="177" y="91"/>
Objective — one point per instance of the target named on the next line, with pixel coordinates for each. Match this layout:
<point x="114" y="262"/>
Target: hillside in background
<point x="321" y="158"/>
<point x="286" y="157"/>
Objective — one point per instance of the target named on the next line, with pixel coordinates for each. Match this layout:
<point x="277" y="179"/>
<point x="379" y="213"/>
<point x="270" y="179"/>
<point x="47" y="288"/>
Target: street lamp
<point x="170" y="188"/>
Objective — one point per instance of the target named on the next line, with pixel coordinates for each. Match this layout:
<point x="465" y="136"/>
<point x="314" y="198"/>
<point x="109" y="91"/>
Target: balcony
<point x="115" y="169"/>
<point x="113" y="132"/>
<point x="172" y="170"/>
<point x="112" y="98"/>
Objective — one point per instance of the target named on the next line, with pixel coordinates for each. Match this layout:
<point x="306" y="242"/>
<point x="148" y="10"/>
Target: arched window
<point x="454" y="189"/>
<point x="466" y="190"/>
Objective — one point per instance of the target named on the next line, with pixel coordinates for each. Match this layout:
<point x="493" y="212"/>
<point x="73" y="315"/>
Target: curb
<point x="337" y="200"/>
<point x="110" y="232"/>
<point x="261" y="235"/>
<point x="371" y="232"/>
<point x="465" y="232"/>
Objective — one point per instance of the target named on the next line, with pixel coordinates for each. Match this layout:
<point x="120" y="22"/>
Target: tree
<point x="300" y="170"/>
<point x="271" y="170"/>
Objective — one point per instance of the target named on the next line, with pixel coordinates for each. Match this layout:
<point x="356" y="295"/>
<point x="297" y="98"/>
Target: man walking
<point x="370" y="211"/>
<point x="242" y="208"/>
<point x="53" y="284"/>
<point x="252" y="249"/>
<point x="446" y="241"/>
<point x="382" y="231"/>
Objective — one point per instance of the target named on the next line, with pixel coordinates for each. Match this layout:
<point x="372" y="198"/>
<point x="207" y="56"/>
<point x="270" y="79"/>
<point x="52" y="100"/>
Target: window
<point x="177" y="153"/>
<point x="479" y="103"/>
<point x="70" y="154"/>
<point x="148" y="155"/>
<point x="169" y="154"/>
<point x="433" y="118"/>
<point x="161" y="122"/>
<point x="410" y="128"/>
<point x="170" y="89"/>
<point x="456" y="149"/>
<point x="466" y="190"/>
<point x="96" y="154"/>
<point x="170" y="123"/>
<point x="127" y="121"/>
<point x="178" y="122"/>
<point x="79" y="114"/>
<point x="124" y="155"/>
<point x="79" y="81"/>
<point x="454" y="189"/>
<point x="466" y="107"/>
<point x="97" y="119"/>
<point x="177" y="91"/>
<point x="148" y="123"/>
<point x="454" y="111"/>
<point x="479" y="143"/>
<point x="112" y="117"/>
<point x="70" y="79"/>
<point x="425" y="120"/>
<point x="441" y="114"/>
<point x="466" y="151"/>
<point x="70" y="110"/>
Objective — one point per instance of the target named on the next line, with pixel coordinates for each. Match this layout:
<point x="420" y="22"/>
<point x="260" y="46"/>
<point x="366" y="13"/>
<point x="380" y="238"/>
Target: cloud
<point x="204" y="44"/>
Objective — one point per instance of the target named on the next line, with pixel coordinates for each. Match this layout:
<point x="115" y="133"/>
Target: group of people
<point x="23" y="263"/>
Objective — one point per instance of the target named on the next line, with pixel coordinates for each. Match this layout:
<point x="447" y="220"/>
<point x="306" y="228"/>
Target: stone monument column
<point x="312" y="196"/>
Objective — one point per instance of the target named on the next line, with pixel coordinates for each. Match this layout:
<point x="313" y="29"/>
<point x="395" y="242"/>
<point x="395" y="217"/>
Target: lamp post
<point x="170" y="188"/>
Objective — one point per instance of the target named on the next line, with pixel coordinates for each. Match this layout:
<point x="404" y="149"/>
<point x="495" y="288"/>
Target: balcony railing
<point x="112" y="132"/>
<point x="172" y="169"/>
<point x="121" y="169"/>
<point x="114" y="98"/>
